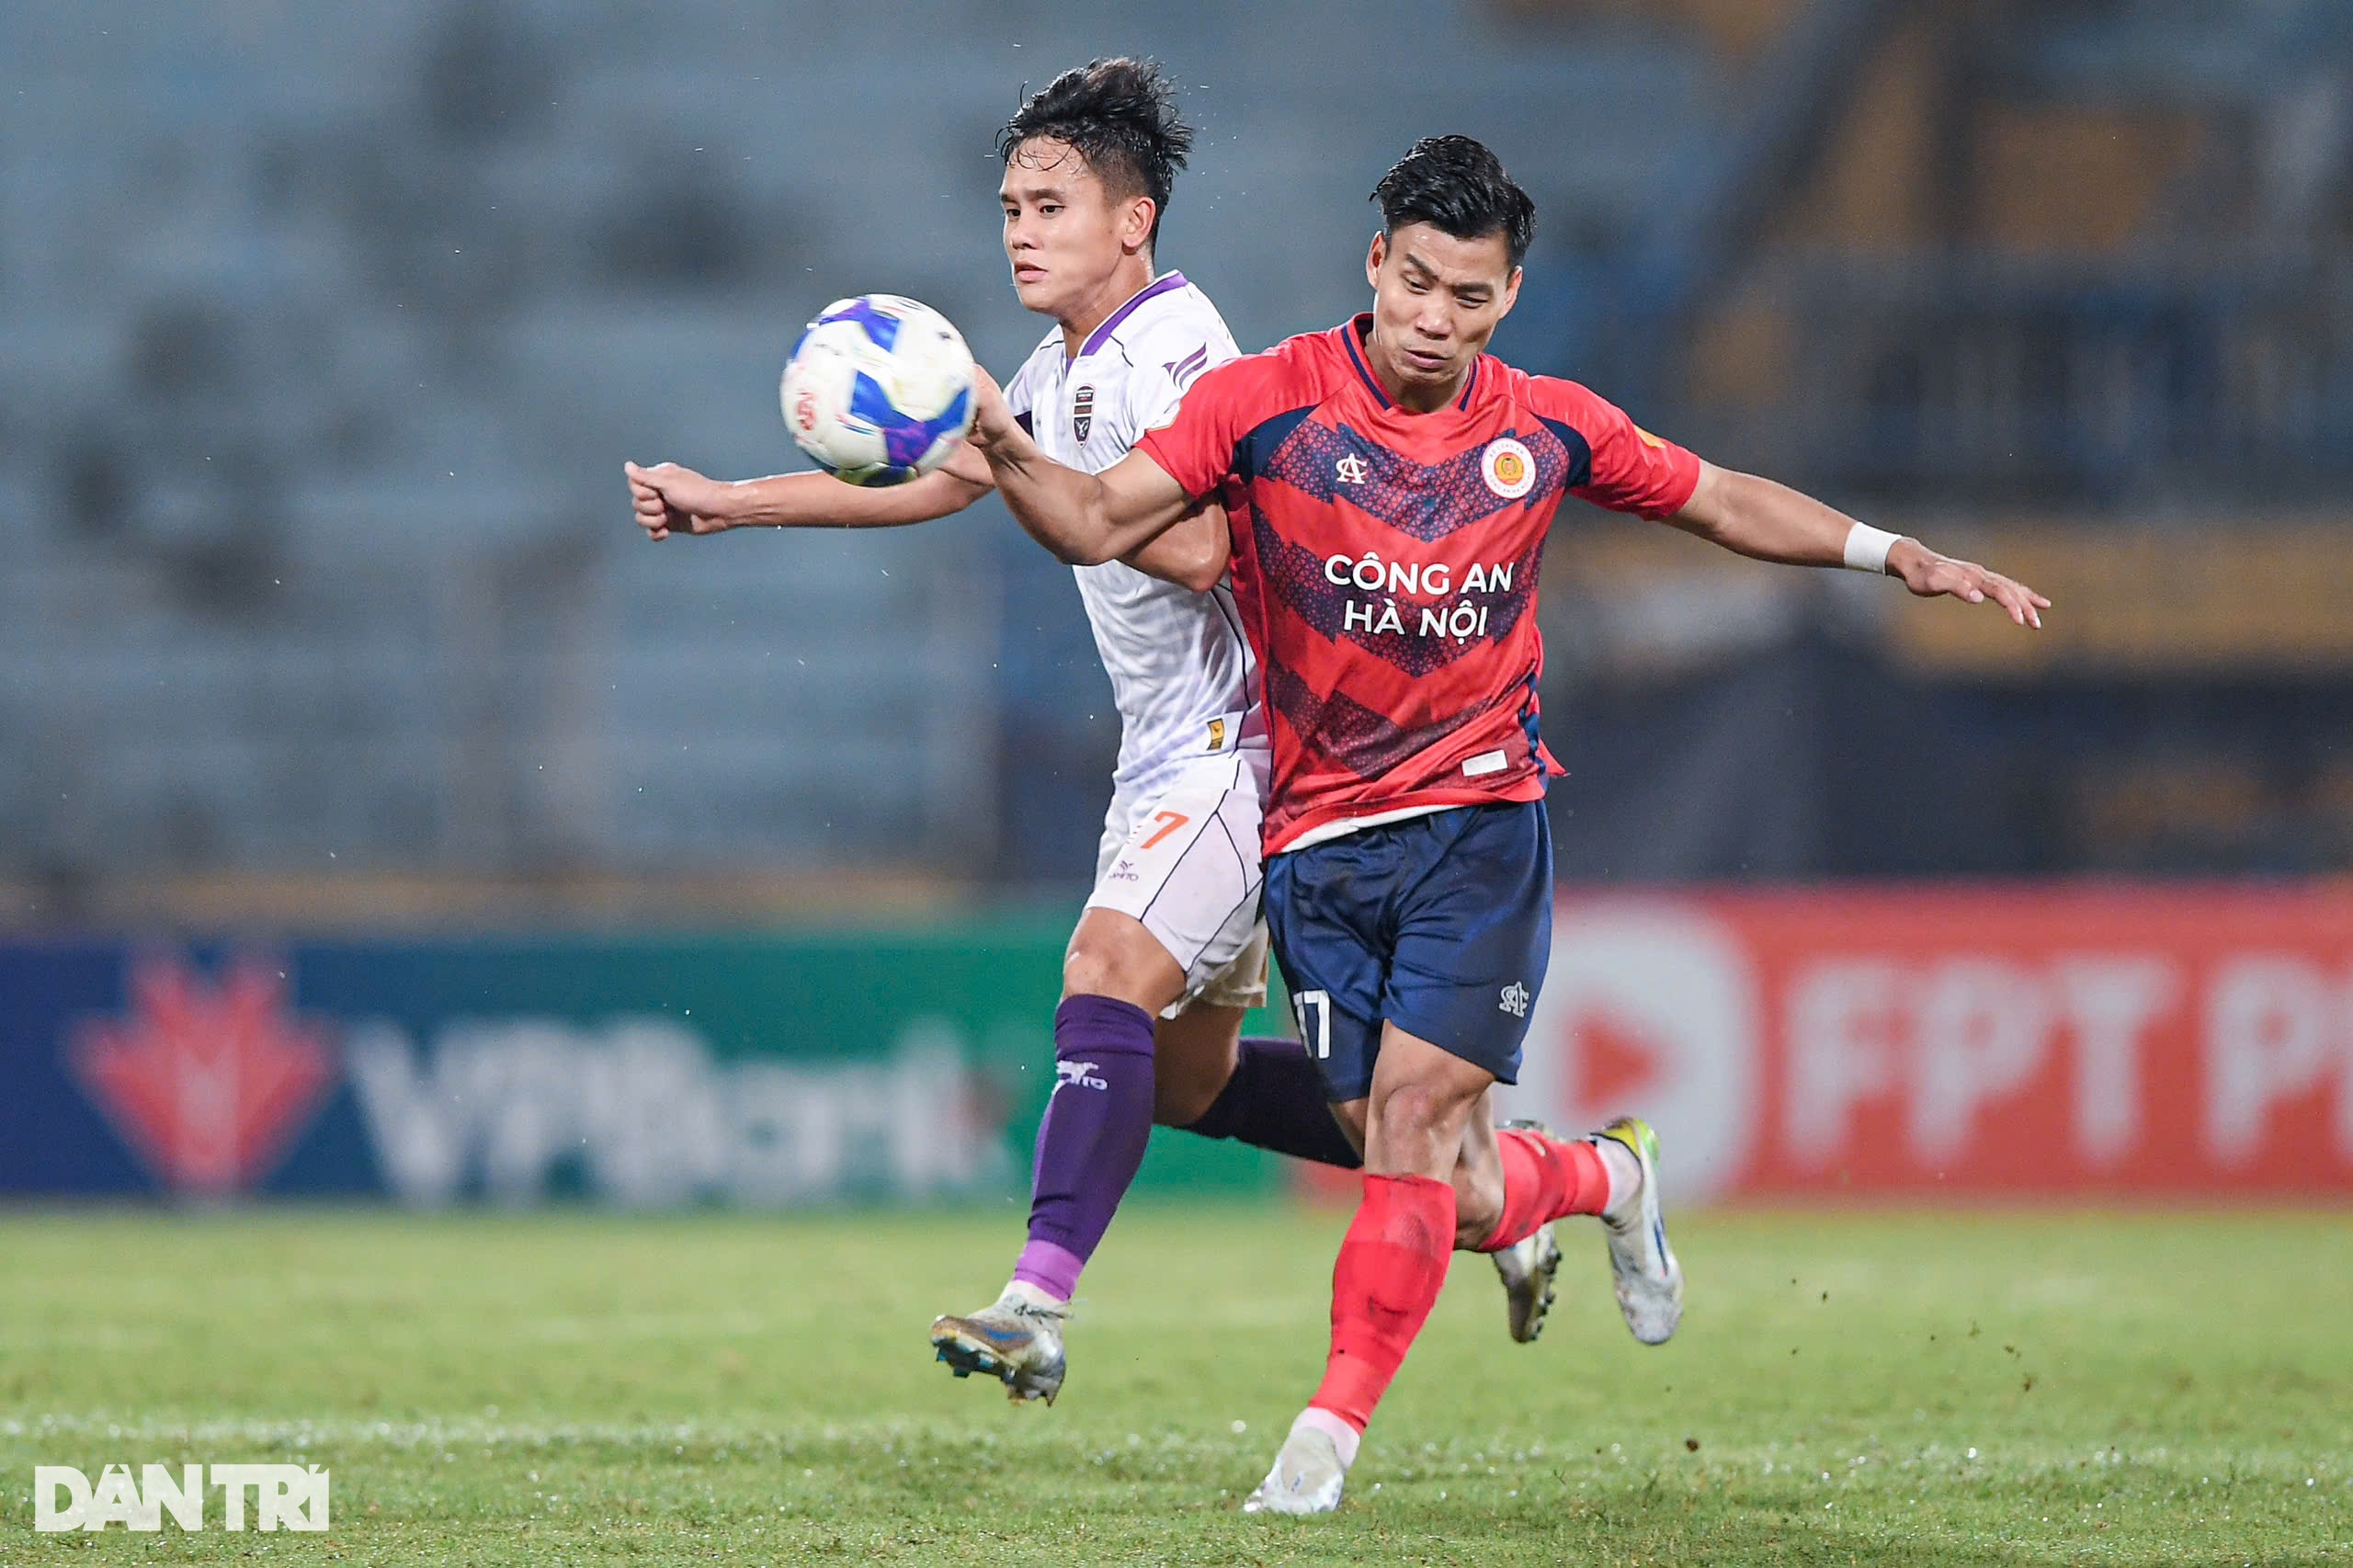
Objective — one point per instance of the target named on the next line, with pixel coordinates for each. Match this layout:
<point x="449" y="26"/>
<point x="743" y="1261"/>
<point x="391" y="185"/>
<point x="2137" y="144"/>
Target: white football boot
<point x="1307" y="1478"/>
<point x="1648" y="1278"/>
<point x="1526" y="1268"/>
<point x="1016" y="1339"/>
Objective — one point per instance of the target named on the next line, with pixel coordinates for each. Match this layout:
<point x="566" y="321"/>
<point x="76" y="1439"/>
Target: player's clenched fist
<point x="1928" y="575"/>
<point x="992" y="417"/>
<point x="668" y="500"/>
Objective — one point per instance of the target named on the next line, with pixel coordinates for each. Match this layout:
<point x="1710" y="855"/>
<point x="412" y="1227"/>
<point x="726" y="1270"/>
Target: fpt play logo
<point x="208" y="1080"/>
<point x="1653" y="1010"/>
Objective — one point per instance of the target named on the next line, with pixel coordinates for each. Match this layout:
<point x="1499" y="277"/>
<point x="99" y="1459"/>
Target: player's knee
<point x="1109" y="969"/>
<point x="1114" y="954"/>
<point x="1085" y="971"/>
<point x="1093" y="970"/>
<point x="1419" y="1127"/>
<point x="1420" y="1109"/>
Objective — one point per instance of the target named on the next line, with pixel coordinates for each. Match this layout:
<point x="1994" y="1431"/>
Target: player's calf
<point x="1393" y="1261"/>
<point x="1526" y="1265"/>
<point x="1089" y="1146"/>
<point x="1511" y="1185"/>
<point x="1265" y="1091"/>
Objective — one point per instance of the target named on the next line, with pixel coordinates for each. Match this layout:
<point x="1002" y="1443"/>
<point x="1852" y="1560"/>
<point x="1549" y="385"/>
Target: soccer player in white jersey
<point x="1171" y="950"/>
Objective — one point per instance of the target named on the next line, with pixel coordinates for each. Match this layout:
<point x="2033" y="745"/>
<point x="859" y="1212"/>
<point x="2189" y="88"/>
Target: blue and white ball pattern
<point x="878" y="390"/>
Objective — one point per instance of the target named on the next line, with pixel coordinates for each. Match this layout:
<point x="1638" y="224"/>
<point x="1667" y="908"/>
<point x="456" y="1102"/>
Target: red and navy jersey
<point x="1385" y="564"/>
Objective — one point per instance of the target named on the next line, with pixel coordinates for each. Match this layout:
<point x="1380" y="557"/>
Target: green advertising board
<point x="786" y="1068"/>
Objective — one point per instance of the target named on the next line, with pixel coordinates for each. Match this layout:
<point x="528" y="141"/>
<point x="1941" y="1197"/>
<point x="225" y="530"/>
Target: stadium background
<point x="537" y="1022"/>
<point x="356" y="757"/>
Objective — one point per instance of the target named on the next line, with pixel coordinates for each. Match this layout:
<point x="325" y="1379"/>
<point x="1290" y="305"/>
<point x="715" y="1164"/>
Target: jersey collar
<point x="1102" y="335"/>
<point x="1359" y="328"/>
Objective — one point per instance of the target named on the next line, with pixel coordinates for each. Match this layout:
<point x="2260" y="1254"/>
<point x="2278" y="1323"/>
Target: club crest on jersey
<point x="1082" y="412"/>
<point x="1352" y="469"/>
<point x="1508" y="467"/>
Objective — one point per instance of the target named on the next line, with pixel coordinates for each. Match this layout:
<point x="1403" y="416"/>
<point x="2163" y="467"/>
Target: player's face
<point x="1065" y="233"/>
<point x="1435" y="300"/>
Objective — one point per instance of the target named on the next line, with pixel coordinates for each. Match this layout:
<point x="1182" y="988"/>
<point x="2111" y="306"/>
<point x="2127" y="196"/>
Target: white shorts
<point x="1184" y="861"/>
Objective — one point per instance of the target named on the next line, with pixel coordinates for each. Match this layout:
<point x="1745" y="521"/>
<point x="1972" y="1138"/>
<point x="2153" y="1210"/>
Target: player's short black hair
<point x="1458" y="186"/>
<point x="1120" y="115"/>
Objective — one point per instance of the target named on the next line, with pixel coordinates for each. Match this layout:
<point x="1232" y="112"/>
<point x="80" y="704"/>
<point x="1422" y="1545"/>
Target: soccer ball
<point x="878" y="390"/>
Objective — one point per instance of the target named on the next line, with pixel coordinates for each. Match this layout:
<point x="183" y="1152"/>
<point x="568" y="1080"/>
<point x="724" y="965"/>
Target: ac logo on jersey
<point x="1352" y="469"/>
<point x="1508" y="467"/>
<point x="1082" y="413"/>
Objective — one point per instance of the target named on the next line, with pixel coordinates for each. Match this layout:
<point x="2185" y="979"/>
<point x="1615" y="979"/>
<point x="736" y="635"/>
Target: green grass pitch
<point x="2014" y="1387"/>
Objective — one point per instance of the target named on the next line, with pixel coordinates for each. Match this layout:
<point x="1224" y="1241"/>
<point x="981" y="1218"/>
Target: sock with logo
<point x="1392" y="1263"/>
<point x="1545" y="1179"/>
<point x="1276" y="1101"/>
<point x="1097" y="1124"/>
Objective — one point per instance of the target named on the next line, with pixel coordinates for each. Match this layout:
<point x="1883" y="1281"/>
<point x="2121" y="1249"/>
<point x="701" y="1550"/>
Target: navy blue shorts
<point x="1440" y="925"/>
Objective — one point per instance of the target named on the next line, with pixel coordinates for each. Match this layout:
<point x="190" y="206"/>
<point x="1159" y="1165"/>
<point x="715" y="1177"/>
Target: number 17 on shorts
<point x="1314" y="1011"/>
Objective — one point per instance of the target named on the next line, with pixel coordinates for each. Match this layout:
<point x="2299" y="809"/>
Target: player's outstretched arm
<point x="668" y="499"/>
<point x="1769" y="521"/>
<point x="1192" y="555"/>
<point x="1084" y="518"/>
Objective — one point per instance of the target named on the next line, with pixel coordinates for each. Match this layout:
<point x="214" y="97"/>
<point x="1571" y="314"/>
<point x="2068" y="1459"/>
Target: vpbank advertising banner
<point x="775" y="1070"/>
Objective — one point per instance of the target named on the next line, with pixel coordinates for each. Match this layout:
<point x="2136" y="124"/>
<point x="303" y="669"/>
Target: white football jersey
<point x="1181" y="671"/>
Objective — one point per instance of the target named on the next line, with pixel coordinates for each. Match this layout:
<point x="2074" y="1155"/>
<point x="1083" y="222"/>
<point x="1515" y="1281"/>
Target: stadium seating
<point x="327" y="337"/>
<point x="323" y="341"/>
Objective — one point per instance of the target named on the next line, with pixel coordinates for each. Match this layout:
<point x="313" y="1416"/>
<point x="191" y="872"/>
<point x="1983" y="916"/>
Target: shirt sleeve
<point x="1194" y="441"/>
<point x="1632" y="470"/>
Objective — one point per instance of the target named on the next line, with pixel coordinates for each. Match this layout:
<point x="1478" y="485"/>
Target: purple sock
<point x="1092" y="1140"/>
<point x="1276" y="1101"/>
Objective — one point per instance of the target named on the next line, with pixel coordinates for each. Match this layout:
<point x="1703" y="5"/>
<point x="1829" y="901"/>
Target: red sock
<point x="1544" y="1179"/>
<point x="1392" y="1263"/>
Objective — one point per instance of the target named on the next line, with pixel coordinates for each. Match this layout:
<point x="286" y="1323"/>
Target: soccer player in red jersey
<point x="1389" y="488"/>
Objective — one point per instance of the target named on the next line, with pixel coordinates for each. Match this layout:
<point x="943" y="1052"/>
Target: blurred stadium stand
<point x="2066" y="284"/>
<point x="328" y="329"/>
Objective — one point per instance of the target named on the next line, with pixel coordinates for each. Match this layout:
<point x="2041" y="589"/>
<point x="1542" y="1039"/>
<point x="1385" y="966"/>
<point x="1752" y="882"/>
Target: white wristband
<point x="1867" y="548"/>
